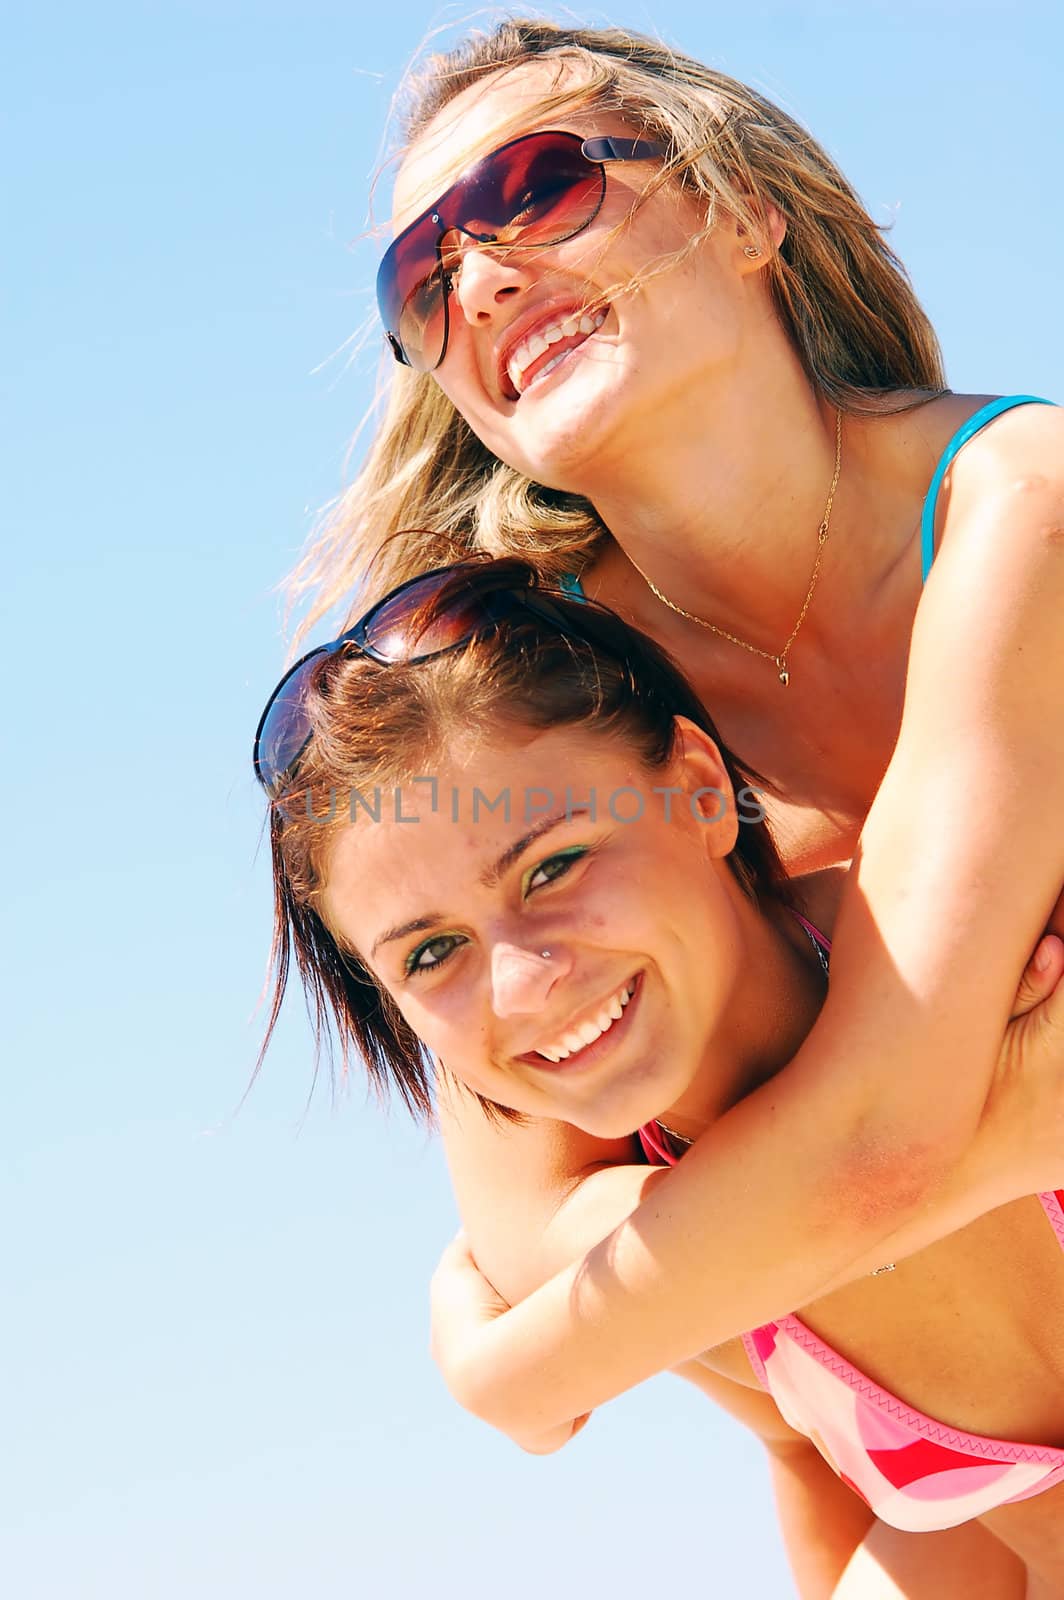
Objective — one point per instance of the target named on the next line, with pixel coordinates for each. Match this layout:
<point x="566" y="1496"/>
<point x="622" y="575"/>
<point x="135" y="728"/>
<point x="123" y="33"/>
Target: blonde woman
<point x="690" y="373"/>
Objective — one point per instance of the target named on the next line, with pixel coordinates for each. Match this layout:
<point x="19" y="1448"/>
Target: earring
<point x="751" y="250"/>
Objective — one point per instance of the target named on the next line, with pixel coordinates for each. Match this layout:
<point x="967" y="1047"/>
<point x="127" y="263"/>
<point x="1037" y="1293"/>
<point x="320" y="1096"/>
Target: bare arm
<point x="823" y="1523"/>
<point x="821" y="1520"/>
<point x="800" y="1187"/>
<point x="523" y="1191"/>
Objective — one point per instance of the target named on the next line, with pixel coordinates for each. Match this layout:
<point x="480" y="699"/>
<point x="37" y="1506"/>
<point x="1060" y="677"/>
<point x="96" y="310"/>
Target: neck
<point x="776" y="1000"/>
<point x="724" y="518"/>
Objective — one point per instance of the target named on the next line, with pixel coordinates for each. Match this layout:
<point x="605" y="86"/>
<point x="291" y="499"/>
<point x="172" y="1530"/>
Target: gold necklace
<point x="681" y="1138"/>
<point x="780" y="660"/>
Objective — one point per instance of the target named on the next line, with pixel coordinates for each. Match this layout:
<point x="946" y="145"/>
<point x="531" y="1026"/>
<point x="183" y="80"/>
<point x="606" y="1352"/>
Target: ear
<point x="764" y="239"/>
<point x="698" y="769"/>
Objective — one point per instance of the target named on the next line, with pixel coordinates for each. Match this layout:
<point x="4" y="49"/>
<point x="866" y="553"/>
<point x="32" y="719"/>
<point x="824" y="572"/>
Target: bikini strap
<point x="814" y="932"/>
<point x="966" y="431"/>
<point x="571" y="584"/>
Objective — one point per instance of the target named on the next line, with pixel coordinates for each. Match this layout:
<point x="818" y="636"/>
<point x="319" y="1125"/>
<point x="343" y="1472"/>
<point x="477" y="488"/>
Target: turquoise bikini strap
<point x="968" y="431"/>
<point x="571" y="584"/>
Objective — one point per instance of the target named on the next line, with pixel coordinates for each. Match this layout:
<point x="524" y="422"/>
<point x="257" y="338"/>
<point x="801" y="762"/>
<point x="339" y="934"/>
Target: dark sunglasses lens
<point x="285" y="728"/>
<point x="536" y="191"/>
<point x="410" y="294"/>
<point x="417" y="623"/>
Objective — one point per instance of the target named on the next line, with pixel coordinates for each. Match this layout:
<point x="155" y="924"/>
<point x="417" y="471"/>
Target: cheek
<point x="444" y="1022"/>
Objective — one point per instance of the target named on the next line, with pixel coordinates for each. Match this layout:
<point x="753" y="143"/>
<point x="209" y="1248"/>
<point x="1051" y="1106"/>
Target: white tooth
<point x="535" y="347"/>
<point x="550" y="366"/>
<point x="563" y="1055"/>
<point x="588" y="1032"/>
<point x="569" y="327"/>
<point x="552" y="335"/>
<point x="548" y="1055"/>
<point x="516" y="373"/>
<point x="586" y="325"/>
<point x="615" y="1008"/>
<point x="625" y="997"/>
<point x="572" y="1042"/>
<point x="600" y="319"/>
<point x="603" y="1022"/>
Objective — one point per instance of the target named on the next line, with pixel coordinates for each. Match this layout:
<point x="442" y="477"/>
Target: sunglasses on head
<point x="427" y="616"/>
<point x="535" y="191"/>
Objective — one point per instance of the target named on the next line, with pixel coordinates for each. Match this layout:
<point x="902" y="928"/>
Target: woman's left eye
<point x="553" y="868"/>
<point x="432" y="954"/>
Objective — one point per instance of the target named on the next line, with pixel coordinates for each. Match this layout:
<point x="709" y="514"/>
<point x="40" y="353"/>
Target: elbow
<point x="482" y="1398"/>
<point x="460" y="1379"/>
<point x="472" y="1384"/>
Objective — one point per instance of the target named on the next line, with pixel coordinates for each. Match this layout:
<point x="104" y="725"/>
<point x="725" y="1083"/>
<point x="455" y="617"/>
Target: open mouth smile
<point x="544" y="348"/>
<point x="583" y="1042"/>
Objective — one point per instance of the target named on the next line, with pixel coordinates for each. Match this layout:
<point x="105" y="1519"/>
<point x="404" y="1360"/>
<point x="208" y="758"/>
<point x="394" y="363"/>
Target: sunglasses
<point x="427" y="616"/>
<point x="534" y="191"/>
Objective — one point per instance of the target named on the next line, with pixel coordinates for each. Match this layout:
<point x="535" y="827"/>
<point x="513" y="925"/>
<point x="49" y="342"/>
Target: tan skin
<point x="721" y="990"/>
<point x="686" y="498"/>
<point x="690" y="423"/>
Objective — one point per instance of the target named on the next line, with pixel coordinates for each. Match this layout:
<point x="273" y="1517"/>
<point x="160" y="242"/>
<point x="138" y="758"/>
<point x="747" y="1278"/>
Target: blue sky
<point x="216" y="1354"/>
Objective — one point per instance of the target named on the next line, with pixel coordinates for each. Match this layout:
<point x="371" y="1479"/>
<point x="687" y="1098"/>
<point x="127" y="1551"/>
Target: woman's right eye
<point x="432" y="954"/>
<point x="424" y="300"/>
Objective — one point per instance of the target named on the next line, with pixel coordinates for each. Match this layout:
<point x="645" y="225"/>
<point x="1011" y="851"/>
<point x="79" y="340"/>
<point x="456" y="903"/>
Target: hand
<point x="1022" y="1129"/>
<point x="463" y="1302"/>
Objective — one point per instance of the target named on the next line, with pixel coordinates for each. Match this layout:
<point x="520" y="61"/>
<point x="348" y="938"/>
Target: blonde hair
<point x="842" y="296"/>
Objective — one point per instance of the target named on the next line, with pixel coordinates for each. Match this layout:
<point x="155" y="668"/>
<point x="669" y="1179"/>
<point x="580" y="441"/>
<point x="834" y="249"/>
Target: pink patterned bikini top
<point x="915" y="1473"/>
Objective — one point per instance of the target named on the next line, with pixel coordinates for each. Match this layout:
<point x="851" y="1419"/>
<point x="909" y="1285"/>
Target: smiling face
<point x="558" y="356"/>
<point x="632" y="1010"/>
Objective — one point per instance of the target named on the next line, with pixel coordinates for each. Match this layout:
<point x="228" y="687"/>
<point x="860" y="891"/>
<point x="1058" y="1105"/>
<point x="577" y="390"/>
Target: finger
<point x="1052" y="1008"/>
<point x="1041" y="975"/>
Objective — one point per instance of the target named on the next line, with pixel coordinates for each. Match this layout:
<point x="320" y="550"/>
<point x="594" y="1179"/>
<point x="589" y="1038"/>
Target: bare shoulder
<point x="1016" y="462"/>
<point x="534" y="1159"/>
<point x="1028" y="437"/>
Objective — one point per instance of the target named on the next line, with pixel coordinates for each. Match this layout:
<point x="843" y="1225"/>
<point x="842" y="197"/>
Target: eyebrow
<point x="402" y="929"/>
<point x="489" y="877"/>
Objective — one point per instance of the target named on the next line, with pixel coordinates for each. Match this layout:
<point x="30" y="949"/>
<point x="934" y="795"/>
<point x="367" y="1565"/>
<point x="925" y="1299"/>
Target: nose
<point x="486" y="278"/>
<point x="521" y="979"/>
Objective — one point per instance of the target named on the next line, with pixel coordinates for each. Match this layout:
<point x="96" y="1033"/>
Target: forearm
<point x="925" y="1205"/>
<point x="721" y="1244"/>
<point x="600" y="1202"/>
<point x="858" y="1151"/>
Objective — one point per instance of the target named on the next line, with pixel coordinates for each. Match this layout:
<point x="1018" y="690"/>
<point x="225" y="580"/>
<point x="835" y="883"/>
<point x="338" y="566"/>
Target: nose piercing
<point x="545" y="954"/>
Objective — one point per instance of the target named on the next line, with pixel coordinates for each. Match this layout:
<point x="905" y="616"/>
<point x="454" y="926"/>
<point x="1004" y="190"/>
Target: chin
<point x="620" y="1121"/>
<point x="563" y="438"/>
<point x="570" y="457"/>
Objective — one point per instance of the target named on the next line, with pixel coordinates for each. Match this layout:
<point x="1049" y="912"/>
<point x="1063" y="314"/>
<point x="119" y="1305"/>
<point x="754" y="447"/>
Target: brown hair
<point x="375" y="727"/>
<point x="841" y="294"/>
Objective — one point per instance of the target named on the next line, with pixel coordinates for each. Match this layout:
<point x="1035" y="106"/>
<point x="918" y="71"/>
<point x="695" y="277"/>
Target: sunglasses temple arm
<point x="610" y="149"/>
